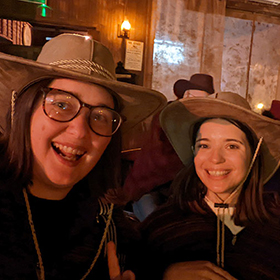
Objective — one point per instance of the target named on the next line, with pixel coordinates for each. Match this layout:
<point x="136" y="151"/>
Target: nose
<point x="79" y="126"/>
<point x="217" y="156"/>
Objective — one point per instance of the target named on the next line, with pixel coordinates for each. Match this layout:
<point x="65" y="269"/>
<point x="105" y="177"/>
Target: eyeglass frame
<point x="82" y="104"/>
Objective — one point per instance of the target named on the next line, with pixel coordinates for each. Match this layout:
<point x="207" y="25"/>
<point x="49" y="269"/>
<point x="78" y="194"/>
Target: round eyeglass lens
<point x="61" y="106"/>
<point x="104" y="121"/>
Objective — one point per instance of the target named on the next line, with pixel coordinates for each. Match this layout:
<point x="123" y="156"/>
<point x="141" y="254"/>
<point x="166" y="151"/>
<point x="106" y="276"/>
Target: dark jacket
<point x="171" y="236"/>
<point x="69" y="233"/>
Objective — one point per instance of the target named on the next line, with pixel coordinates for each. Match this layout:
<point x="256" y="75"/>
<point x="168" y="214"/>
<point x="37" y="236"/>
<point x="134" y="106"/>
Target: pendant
<point x="221" y="205"/>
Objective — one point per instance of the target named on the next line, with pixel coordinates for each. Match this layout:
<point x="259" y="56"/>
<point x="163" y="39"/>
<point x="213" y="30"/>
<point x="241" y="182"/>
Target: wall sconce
<point x="124" y="29"/>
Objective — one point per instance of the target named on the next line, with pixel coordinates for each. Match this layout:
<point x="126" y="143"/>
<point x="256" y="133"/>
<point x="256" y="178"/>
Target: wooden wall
<point x="99" y="17"/>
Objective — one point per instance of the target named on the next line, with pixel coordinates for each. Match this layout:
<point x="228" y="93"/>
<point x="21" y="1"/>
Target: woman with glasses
<point x="60" y="162"/>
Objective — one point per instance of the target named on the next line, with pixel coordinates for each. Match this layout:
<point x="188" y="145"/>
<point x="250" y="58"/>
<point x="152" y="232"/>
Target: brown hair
<point x="15" y="146"/>
<point x="189" y="192"/>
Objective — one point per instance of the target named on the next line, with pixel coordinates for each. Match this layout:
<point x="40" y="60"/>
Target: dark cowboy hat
<point x="81" y="58"/>
<point x="275" y="109"/>
<point x="178" y="118"/>
<point x="197" y="81"/>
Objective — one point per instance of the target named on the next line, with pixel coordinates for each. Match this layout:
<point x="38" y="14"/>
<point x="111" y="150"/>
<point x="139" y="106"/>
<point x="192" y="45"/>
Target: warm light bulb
<point x="260" y="105"/>
<point x="125" y="25"/>
<point x="88" y="37"/>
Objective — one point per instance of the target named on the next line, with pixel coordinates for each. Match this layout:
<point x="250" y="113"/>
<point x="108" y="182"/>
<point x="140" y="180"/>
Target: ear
<point x="192" y="147"/>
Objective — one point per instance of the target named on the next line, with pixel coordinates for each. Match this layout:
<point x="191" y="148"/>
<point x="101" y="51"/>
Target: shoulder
<point x="274" y="183"/>
<point x="163" y="212"/>
<point x="127" y="225"/>
<point x="166" y="219"/>
<point x="171" y="221"/>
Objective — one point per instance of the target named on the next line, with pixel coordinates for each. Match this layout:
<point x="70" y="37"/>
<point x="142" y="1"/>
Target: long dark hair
<point x="189" y="191"/>
<point x="16" y="163"/>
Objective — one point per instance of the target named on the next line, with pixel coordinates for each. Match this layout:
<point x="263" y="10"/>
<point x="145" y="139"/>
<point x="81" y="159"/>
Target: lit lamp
<point x="124" y="29"/>
<point x="260" y="106"/>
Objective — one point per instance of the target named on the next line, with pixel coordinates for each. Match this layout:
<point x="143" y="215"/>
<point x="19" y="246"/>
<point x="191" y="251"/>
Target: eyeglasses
<point x="63" y="106"/>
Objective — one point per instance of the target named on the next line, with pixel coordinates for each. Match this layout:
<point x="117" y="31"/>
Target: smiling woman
<point x="60" y="162"/>
<point x="70" y="147"/>
<point x="213" y="225"/>
<point x="222" y="157"/>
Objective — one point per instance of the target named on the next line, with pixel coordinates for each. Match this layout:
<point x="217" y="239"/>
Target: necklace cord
<point x="41" y="275"/>
<point x="34" y="236"/>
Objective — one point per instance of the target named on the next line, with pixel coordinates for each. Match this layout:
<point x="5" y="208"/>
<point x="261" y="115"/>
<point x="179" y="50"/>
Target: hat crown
<point x="231" y="97"/>
<point x="79" y="53"/>
<point x="275" y="109"/>
<point x="198" y="81"/>
<point x="202" y="80"/>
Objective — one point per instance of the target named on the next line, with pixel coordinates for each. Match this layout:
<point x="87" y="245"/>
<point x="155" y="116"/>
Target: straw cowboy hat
<point x="197" y="81"/>
<point x="178" y="118"/>
<point x="81" y="58"/>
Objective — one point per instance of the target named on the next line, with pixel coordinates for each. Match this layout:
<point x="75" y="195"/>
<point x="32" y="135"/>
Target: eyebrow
<point x="235" y="140"/>
<point x="202" y="139"/>
<point x="227" y="140"/>
<point x="76" y="94"/>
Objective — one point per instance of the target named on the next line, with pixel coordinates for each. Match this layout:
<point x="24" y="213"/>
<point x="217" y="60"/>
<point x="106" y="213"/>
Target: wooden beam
<point x="254" y="7"/>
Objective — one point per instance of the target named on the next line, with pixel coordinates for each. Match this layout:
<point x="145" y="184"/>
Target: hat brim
<point x="17" y="73"/>
<point x="179" y="117"/>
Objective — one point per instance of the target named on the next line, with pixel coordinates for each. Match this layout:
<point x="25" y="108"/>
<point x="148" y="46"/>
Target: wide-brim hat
<point x="178" y="119"/>
<point x="77" y="57"/>
<point x="198" y="81"/>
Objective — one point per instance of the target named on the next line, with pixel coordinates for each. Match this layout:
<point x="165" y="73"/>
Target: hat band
<point x="84" y="65"/>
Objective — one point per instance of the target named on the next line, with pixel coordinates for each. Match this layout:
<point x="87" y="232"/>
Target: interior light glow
<point x="125" y="25"/>
<point x="260" y="106"/>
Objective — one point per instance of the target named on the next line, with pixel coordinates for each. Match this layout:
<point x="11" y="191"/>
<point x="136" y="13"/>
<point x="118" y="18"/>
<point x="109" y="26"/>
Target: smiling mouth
<point x="218" y="173"/>
<point x="68" y="153"/>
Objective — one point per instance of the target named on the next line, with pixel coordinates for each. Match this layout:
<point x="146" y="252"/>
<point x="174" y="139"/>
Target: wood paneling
<point x="104" y="16"/>
<point x="99" y="17"/>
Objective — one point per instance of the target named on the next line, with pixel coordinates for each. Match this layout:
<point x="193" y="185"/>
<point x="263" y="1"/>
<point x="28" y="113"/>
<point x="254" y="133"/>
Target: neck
<point x="222" y="198"/>
<point x="50" y="191"/>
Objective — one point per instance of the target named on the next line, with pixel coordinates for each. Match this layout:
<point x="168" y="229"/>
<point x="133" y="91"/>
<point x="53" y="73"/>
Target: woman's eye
<point x="61" y="105"/>
<point x="233" y="147"/>
<point x="99" y="117"/>
<point x="201" y="146"/>
<point x="102" y="115"/>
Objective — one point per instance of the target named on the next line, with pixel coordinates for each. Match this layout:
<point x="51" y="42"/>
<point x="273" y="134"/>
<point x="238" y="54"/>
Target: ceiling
<point x="254" y="6"/>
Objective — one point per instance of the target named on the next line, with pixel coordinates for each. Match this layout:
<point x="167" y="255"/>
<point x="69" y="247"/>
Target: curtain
<point x="188" y="39"/>
<point x="184" y="37"/>
<point x="239" y="49"/>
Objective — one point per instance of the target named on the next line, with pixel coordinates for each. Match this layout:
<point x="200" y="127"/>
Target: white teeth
<point x="68" y="150"/>
<point x="69" y="158"/>
<point x="218" y="173"/>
